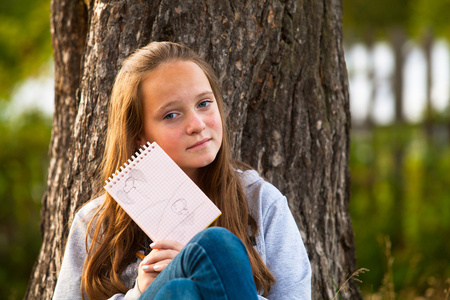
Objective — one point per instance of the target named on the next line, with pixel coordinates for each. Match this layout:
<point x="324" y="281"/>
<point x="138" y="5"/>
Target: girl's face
<point x="181" y="115"/>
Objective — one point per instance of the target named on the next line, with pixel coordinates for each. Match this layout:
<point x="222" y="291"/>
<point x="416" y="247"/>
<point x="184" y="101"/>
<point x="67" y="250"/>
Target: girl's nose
<point x="195" y="124"/>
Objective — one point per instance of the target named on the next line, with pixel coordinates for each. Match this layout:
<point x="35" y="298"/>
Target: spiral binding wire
<point x="142" y="151"/>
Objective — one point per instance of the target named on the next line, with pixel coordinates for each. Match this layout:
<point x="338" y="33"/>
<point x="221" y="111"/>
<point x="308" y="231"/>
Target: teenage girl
<point x="166" y="93"/>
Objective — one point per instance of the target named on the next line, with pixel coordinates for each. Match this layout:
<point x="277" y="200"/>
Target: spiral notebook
<point x="160" y="197"/>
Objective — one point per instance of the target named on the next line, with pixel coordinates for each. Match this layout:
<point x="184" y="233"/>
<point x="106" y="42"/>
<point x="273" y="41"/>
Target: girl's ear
<point x="140" y="140"/>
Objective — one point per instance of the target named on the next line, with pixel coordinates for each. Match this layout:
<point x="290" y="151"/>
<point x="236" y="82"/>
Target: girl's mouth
<point x="199" y="144"/>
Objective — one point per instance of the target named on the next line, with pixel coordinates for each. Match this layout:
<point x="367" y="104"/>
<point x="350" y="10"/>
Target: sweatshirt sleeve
<point x="69" y="279"/>
<point x="286" y="255"/>
<point x="132" y="294"/>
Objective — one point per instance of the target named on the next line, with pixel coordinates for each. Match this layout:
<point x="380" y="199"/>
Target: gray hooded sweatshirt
<point x="278" y="242"/>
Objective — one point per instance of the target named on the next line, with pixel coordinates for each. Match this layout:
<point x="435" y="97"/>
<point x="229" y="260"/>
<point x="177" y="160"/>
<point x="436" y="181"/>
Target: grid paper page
<point x="161" y="198"/>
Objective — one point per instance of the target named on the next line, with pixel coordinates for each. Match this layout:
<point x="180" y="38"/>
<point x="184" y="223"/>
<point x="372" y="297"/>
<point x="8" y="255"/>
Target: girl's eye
<point x="169" y="116"/>
<point x="204" y="103"/>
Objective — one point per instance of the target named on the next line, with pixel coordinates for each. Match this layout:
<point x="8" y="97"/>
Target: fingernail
<point x="156" y="268"/>
<point x="152" y="245"/>
<point x="144" y="262"/>
<point x="145" y="267"/>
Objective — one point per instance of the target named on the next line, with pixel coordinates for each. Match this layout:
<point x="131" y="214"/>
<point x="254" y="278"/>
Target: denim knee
<point x="180" y="288"/>
<point x="223" y="254"/>
<point x="217" y="235"/>
<point x="213" y="237"/>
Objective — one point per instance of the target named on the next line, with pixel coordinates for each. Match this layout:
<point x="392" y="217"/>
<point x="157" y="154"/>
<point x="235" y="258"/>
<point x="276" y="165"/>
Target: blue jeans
<point x="213" y="265"/>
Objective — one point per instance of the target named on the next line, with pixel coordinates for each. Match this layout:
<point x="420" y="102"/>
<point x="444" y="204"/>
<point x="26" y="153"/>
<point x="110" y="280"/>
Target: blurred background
<point x="398" y="59"/>
<point x="397" y="54"/>
<point x="26" y="105"/>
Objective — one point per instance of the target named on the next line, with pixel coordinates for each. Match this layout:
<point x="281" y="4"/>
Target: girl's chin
<point x="193" y="167"/>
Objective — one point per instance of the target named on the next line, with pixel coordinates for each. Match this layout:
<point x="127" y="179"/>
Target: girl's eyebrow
<point x="205" y="93"/>
<point x="173" y="102"/>
<point x="165" y="106"/>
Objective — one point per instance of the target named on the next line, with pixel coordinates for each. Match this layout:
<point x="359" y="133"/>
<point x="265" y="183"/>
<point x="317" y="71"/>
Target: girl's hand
<point x="162" y="254"/>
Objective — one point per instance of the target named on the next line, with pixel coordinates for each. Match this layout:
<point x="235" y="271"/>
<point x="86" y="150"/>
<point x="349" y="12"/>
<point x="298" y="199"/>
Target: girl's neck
<point x="193" y="175"/>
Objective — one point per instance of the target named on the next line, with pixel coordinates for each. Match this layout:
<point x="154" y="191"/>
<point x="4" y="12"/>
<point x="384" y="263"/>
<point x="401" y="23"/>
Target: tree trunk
<point x="372" y="78"/>
<point x="427" y="47"/>
<point x="283" y="75"/>
<point x="398" y="150"/>
<point x="398" y="43"/>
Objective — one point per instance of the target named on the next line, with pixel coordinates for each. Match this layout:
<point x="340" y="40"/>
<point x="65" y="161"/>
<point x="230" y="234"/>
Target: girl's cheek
<point x="175" y="135"/>
<point x="215" y="121"/>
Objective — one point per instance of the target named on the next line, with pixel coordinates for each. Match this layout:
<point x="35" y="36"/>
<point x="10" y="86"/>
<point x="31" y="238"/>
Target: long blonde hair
<point x="115" y="236"/>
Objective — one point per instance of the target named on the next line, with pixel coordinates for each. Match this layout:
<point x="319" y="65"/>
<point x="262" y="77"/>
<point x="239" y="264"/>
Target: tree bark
<point x="283" y="75"/>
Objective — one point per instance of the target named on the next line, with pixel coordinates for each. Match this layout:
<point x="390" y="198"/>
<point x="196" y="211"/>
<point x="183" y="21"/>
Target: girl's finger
<point x="159" y="267"/>
<point x="156" y="268"/>
<point x="159" y="255"/>
<point x="167" y="244"/>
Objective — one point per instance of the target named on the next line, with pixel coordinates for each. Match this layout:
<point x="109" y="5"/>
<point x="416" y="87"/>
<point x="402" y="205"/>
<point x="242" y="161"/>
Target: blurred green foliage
<point x="419" y="231"/>
<point x="366" y="20"/>
<point x="379" y="18"/>
<point x="400" y="203"/>
<point x="25" y="45"/>
<point x="24" y="161"/>
<point x="25" y="41"/>
<point x="430" y="15"/>
<point x="362" y="16"/>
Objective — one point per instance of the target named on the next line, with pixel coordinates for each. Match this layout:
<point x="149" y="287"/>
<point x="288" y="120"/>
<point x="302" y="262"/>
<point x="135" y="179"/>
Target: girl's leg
<point x="214" y="265"/>
<point x="180" y="289"/>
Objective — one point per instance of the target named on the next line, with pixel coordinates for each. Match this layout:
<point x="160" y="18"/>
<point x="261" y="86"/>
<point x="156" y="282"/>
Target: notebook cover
<point x="160" y="197"/>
